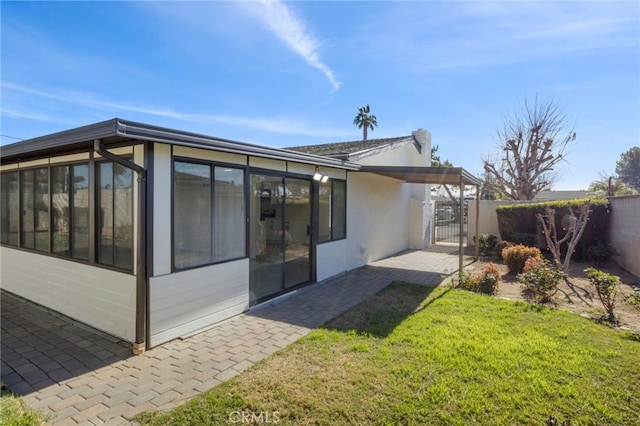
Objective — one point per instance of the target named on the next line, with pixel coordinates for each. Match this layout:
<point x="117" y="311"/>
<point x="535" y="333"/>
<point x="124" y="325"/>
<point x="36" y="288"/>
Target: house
<point x="149" y="233"/>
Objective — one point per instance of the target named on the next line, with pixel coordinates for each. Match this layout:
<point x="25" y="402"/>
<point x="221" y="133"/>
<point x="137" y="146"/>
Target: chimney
<point x="424" y="139"/>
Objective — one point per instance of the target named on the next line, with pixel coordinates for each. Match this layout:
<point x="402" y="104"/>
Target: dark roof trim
<point x="434" y="175"/>
<point x="60" y="141"/>
<point x="117" y="130"/>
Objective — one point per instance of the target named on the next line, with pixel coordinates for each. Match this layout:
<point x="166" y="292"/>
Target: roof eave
<point x="430" y="175"/>
<point x="124" y="129"/>
<point x="59" y="141"/>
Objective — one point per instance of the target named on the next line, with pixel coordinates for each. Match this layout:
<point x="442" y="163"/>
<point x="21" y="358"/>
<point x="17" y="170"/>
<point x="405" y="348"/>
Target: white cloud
<point x="281" y="125"/>
<point x="478" y="34"/>
<point x="283" y="22"/>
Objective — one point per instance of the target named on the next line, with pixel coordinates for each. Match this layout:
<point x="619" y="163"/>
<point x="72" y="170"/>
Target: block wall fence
<point x="624" y="231"/>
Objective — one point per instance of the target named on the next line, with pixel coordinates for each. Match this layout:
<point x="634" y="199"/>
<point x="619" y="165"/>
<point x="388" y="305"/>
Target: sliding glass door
<point x="279" y="234"/>
<point x="297" y="232"/>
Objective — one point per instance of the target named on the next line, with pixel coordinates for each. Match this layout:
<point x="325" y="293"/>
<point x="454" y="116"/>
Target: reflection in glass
<point x="192" y="215"/>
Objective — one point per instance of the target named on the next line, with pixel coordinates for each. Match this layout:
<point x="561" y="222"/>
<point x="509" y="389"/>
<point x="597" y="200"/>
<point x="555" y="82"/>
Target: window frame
<point x="91" y="163"/>
<point x="96" y="208"/>
<point x="72" y="212"/>
<point x="23" y="199"/>
<point x="7" y="205"/>
<point x="333" y="237"/>
<point x="212" y="205"/>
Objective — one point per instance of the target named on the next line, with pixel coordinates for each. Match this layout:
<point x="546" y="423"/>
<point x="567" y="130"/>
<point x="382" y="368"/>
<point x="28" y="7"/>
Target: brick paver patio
<point x="81" y="376"/>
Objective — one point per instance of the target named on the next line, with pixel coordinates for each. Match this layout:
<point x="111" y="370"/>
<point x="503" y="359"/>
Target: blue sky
<point x="294" y="73"/>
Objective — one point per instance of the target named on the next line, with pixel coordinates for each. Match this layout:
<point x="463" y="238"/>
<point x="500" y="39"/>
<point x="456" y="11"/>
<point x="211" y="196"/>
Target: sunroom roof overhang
<point x="431" y="175"/>
<point x="119" y="131"/>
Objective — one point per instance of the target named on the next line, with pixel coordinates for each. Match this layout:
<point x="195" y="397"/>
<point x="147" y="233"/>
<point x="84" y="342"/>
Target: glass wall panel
<point x="266" y="274"/>
<point x="10" y="207"/>
<point x="28" y="210"/>
<point x="80" y="212"/>
<point x="41" y="212"/>
<point x="61" y="216"/>
<point x="115" y="215"/>
<point x="339" y="210"/>
<point x="324" y="212"/>
<point x="104" y="219"/>
<point x="297" y="227"/>
<point x="229" y="215"/>
<point x="123" y="217"/>
<point x="192" y="242"/>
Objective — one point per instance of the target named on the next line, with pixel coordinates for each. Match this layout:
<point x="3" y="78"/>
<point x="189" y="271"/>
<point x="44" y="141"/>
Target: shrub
<point x="600" y="253"/>
<point x="485" y="282"/>
<point x="503" y="245"/>
<point x="540" y="279"/>
<point x="517" y="223"/>
<point x="466" y="281"/>
<point x="525" y="239"/>
<point x="516" y="256"/>
<point x="489" y="279"/>
<point x="633" y="300"/>
<point x="486" y="244"/>
<point x="607" y="287"/>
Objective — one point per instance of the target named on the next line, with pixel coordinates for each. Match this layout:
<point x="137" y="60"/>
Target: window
<point x="229" y="218"/>
<point x="208" y="214"/>
<point x="70" y="211"/>
<point x="35" y="209"/>
<point x="10" y="204"/>
<point x="192" y="215"/>
<point x="332" y="210"/>
<point x="339" y="210"/>
<point x="114" y="210"/>
<point x="47" y="209"/>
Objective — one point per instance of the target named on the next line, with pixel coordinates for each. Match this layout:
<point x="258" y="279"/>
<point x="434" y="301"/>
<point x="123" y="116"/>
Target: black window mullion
<point x="212" y="192"/>
<point x="70" y="202"/>
<point x="332" y="200"/>
<point x="33" y="212"/>
<point x="113" y="214"/>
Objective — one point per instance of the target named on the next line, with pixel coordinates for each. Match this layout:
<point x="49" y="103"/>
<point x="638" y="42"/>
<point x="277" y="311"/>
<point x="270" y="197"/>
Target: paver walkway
<point x="80" y="376"/>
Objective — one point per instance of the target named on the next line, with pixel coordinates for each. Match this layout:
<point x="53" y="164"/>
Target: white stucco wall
<point x="377" y="212"/>
<point x="418" y="217"/>
<point x="331" y="259"/>
<point x="488" y="218"/>
<point x="625" y="231"/>
<point x="99" y="297"/>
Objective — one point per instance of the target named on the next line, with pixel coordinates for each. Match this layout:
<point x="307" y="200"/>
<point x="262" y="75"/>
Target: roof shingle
<point x="346" y="148"/>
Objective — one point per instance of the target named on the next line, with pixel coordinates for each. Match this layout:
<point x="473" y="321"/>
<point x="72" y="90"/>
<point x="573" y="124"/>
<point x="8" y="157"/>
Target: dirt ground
<point x="578" y="294"/>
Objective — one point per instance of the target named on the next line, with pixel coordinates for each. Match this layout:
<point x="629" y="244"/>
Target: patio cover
<point x="436" y="175"/>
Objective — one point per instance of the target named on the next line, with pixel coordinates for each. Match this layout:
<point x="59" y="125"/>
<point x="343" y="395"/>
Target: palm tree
<point x="365" y="121"/>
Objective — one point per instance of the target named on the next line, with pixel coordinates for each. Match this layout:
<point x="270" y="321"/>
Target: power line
<point x="11" y="137"/>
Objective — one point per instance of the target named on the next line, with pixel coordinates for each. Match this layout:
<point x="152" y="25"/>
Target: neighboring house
<point x="149" y="233"/>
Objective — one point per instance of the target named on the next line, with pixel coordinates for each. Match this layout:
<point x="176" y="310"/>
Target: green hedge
<point x="518" y="224"/>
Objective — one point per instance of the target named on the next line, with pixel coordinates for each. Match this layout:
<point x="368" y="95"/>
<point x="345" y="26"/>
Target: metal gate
<point x="447" y="221"/>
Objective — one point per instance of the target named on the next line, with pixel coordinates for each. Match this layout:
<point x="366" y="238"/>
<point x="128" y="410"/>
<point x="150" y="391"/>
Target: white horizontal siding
<point x="331" y="259"/>
<point x="102" y="298"/>
<point x="183" y="302"/>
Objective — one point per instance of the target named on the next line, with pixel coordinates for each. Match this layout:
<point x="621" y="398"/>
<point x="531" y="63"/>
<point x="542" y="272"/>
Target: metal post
<point x="477" y="222"/>
<point x="140" y="344"/>
<point x="461" y="216"/>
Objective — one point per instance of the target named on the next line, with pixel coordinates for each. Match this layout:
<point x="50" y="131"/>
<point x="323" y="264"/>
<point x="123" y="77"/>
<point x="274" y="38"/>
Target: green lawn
<point x="14" y="412"/>
<point x="416" y="355"/>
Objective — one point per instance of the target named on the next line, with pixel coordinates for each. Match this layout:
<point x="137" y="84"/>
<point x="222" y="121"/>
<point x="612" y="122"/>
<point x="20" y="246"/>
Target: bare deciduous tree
<point x="533" y="141"/>
<point x="574" y="226"/>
